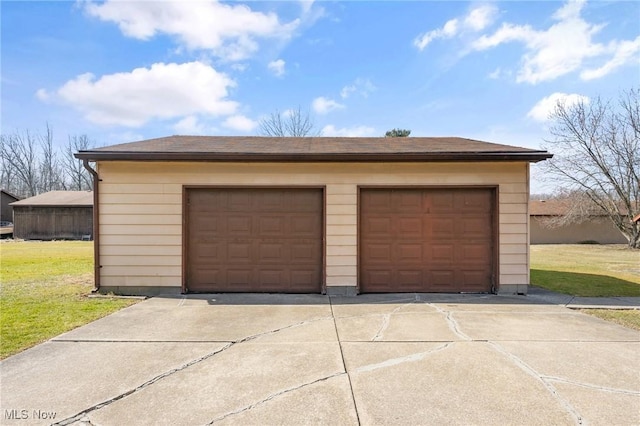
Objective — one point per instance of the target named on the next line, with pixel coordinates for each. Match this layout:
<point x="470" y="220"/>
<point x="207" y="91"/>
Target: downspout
<point x="96" y="225"/>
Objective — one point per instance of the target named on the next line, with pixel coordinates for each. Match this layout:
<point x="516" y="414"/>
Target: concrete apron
<point x="286" y="359"/>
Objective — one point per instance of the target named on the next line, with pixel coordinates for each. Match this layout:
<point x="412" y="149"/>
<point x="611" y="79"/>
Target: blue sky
<point x="121" y="71"/>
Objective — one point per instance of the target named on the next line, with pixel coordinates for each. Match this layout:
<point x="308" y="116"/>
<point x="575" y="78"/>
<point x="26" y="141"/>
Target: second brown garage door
<point x="254" y="240"/>
<point x="426" y="240"/>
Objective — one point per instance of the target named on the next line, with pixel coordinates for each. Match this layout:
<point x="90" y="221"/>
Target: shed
<point x="596" y="228"/>
<point x="311" y="215"/>
<point x="6" y="210"/>
<point x="55" y="215"/>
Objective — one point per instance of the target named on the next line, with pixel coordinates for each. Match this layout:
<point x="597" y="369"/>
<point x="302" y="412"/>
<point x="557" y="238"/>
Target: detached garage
<point x="311" y="215"/>
<point x="54" y="215"/>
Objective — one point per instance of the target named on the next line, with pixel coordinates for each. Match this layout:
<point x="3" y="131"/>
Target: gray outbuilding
<point x="55" y="215"/>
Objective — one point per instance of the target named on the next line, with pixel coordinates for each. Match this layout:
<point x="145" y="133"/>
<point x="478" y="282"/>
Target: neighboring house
<point x="55" y="215"/>
<point x="312" y="215"/>
<point x="598" y="228"/>
<point x="6" y="211"/>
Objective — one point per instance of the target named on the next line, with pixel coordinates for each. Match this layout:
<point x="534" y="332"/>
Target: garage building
<point x="312" y="215"/>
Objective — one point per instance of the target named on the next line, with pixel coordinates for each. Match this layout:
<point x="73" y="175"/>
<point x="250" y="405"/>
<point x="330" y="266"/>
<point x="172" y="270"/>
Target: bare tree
<point x="7" y="170"/>
<point x="50" y="176"/>
<point x="290" y="123"/>
<point x="597" y="154"/>
<point x="20" y="151"/>
<point x="77" y="177"/>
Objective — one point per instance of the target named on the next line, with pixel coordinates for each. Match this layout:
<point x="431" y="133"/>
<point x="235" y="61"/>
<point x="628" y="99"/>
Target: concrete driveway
<point x="286" y="359"/>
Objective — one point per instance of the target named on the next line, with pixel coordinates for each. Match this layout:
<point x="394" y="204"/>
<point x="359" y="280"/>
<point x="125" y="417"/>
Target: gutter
<point x="96" y="225"/>
<point x="529" y="156"/>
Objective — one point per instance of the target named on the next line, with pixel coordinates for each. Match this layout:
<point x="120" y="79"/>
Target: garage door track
<point x="310" y="359"/>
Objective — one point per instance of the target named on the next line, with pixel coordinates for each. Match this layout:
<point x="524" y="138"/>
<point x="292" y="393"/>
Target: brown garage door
<point x="426" y="240"/>
<point x="254" y="240"/>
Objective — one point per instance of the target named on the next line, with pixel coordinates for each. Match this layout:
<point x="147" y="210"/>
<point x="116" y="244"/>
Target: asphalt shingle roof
<point x="59" y="199"/>
<point x="256" y="148"/>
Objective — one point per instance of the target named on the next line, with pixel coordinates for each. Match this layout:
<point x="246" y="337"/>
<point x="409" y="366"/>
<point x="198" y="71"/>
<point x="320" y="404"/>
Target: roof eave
<point x="531" y="156"/>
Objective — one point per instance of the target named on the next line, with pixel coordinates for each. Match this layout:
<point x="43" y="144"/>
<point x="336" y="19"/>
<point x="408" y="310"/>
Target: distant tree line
<point x="30" y="163"/>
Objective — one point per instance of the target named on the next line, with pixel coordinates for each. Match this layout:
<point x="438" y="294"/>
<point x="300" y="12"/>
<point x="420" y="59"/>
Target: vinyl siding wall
<point x="141" y="211"/>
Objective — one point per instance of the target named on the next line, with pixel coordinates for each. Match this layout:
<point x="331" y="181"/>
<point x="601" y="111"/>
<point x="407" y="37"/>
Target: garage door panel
<point x="478" y="254"/>
<point x="304" y="253"/>
<point x="409" y="253"/>
<point x="408" y="226"/>
<point x="443" y="253"/>
<point x="305" y="202"/>
<point x="441" y="202"/>
<point x="238" y="226"/>
<point x="377" y="252"/>
<point x="378" y="202"/>
<point x="270" y="225"/>
<point x="271" y="253"/>
<point x="426" y="239"/>
<point x="410" y="279"/>
<point x="441" y="227"/>
<point x="254" y="239"/>
<point x="240" y="202"/>
<point x="303" y="278"/>
<point x="442" y="278"/>
<point x="377" y="224"/>
<point x="407" y="201"/>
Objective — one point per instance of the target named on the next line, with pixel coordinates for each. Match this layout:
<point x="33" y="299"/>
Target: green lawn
<point x="44" y="292"/>
<point x="590" y="270"/>
<point x="586" y="270"/>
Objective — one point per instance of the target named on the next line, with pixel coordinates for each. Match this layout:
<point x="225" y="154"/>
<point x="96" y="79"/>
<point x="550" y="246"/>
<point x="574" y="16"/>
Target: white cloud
<point x="322" y="105"/>
<point x="228" y="30"/>
<point x="189" y="126"/>
<point x="43" y="95"/>
<point x="277" y="67"/>
<point x="362" y="86"/>
<point x="562" y="48"/>
<point x="163" y="91"/>
<point x="476" y="20"/>
<point x="545" y="106"/>
<point x="240" y="122"/>
<point x="495" y="74"/>
<point x="480" y="17"/>
<point x="239" y="67"/>
<point x="623" y="52"/>
<point x="356" y="131"/>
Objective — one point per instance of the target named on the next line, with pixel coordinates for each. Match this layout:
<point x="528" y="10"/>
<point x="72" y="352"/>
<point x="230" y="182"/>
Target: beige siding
<point x="141" y="210"/>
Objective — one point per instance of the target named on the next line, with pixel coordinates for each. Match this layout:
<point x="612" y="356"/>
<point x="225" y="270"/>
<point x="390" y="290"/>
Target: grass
<point x="590" y="271"/>
<point x="44" y="292"/>
<point x="586" y="270"/>
<point x="628" y="318"/>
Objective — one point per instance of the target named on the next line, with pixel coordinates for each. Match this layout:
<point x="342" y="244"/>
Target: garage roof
<point x="58" y="199"/>
<point x="256" y="148"/>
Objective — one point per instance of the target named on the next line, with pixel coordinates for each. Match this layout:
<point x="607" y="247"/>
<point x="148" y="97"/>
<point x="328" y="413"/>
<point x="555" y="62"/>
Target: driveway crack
<point x="451" y="322"/>
<point x="386" y="320"/>
<point x="275" y="395"/>
<point x="344" y="364"/>
<point x="80" y="416"/>
<point x="401" y="360"/>
<point x="591" y="386"/>
<point x="545" y="380"/>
